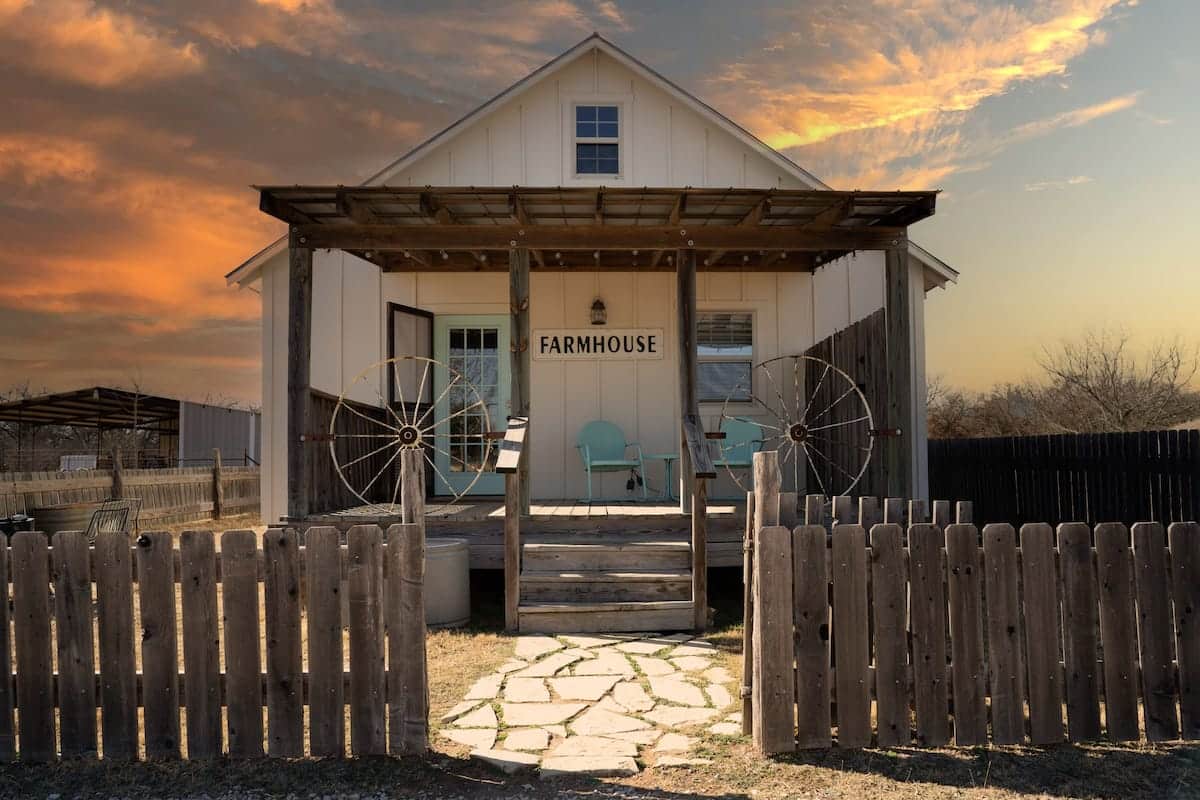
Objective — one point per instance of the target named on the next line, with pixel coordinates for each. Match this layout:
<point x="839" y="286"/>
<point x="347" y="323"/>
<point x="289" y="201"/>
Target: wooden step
<point x="647" y="554"/>
<point x="665" y="615"/>
<point x="595" y="586"/>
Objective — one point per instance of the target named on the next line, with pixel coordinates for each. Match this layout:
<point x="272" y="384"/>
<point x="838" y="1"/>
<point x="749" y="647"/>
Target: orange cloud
<point x="76" y="41"/>
<point x="893" y="81"/>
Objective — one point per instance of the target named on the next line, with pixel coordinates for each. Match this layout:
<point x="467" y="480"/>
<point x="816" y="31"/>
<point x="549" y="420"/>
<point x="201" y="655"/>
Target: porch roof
<point x="472" y="228"/>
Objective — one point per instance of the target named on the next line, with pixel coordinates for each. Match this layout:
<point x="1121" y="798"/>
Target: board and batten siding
<point x="528" y="140"/>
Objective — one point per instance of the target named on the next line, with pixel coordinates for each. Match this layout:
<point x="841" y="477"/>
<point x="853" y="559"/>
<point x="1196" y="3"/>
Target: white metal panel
<point x="361" y="331"/>
<point x="507" y="147"/>
<point x="866" y="284"/>
<point x="325" y="372"/>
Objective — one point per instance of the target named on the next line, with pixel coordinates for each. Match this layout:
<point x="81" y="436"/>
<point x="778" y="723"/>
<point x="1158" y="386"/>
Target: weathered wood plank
<point x="1118" y="630"/>
<point x="747" y="615"/>
<point x="31" y="632"/>
<point x="700" y="555"/>
<point x="1154" y="631"/>
<point x="774" y="675"/>
<point x="1040" y="588"/>
<point x="201" y="643"/>
<point x="76" y="643"/>
<point x="928" y="620"/>
<point x="118" y="674"/>
<point x="521" y="386"/>
<point x="281" y="595"/>
<point x="367" y="697"/>
<point x="1185" y="582"/>
<point x="1007" y="666"/>
<point x="243" y="680"/>
<point x="890" y="616"/>
<point x="299" y="333"/>
<point x="160" y="661"/>
<point x="810" y="602"/>
<point x="850" y="621"/>
<point x="414" y="674"/>
<point x="898" y="412"/>
<point x="326" y="706"/>
<point x="8" y="739"/>
<point x="512" y="549"/>
<point x="691" y="443"/>
<point x="1080" y="628"/>
<point x="965" y="578"/>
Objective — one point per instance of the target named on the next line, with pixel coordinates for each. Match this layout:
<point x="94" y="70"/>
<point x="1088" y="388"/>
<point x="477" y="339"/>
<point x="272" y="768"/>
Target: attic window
<point x="597" y="140"/>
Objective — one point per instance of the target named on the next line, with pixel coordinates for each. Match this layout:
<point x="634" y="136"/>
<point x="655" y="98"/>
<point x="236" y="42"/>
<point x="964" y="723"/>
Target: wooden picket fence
<point x="933" y="633"/>
<point x="75" y="654"/>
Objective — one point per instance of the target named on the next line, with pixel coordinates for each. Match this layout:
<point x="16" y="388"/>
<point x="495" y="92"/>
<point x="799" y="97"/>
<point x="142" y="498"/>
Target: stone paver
<point x="583" y="687"/>
<point x="474" y="738"/>
<point x="532" y="714"/>
<point x="507" y="760"/>
<point x="483" y="717"/>
<point x="575" y="704"/>
<point x="676" y="691"/>
<point x="598" y="766"/>
<point x="653" y="666"/>
<point x="529" y="647"/>
<point x="527" y="739"/>
<point x="593" y="746"/>
<point x="632" y="697"/>
<point x="600" y="721"/>
<point x="526" y="690"/>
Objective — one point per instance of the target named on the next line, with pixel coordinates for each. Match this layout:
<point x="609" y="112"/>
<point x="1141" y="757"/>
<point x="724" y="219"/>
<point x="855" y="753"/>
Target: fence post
<point x="415" y="686"/>
<point x="118" y="475"/>
<point x="747" y="612"/>
<point x="767" y="485"/>
<point x="218" y="491"/>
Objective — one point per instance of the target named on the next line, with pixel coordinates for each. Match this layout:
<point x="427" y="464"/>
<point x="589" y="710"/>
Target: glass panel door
<point x="475" y="348"/>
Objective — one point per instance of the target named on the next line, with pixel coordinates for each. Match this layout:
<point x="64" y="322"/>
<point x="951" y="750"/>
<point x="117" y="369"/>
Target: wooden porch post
<point x="898" y="450"/>
<point x="299" y="352"/>
<point x="685" y="302"/>
<point x="519" y="377"/>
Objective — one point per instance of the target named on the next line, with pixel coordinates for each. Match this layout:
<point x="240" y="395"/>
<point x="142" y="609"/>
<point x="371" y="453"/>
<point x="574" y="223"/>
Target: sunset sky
<point x="1063" y="133"/>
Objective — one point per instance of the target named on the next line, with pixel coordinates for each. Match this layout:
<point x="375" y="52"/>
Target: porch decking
<point x="481" y="523"/>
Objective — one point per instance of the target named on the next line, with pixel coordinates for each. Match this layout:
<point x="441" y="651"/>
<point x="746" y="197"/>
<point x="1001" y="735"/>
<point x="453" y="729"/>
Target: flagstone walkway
<point x="597" y="704"/>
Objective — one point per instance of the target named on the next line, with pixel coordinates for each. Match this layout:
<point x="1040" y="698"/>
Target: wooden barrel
<point x="63" y="517"/>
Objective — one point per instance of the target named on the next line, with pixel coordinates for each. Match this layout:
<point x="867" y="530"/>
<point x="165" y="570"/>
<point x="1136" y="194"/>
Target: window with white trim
<point x="725" y="355"/>
<point x="597" y="140"/>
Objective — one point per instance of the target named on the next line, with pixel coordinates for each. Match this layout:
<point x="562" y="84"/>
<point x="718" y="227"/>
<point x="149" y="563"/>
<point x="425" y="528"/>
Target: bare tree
<point x="1097" y="384"/>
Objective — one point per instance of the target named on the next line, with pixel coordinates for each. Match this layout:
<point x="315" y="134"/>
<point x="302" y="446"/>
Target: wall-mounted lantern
<point x="599" y="313"/>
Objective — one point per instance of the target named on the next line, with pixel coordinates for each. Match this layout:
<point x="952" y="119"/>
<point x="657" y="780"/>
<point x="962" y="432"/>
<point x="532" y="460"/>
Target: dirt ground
<point x="458" y="657"/>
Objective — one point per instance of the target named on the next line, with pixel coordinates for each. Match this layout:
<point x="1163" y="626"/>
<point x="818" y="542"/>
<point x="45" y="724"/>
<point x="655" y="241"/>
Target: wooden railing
<point x="508" y="463"/>
<point x="702" y="471"/>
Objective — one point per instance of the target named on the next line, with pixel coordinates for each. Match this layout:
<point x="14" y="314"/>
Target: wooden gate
<point x="935" y="632"/>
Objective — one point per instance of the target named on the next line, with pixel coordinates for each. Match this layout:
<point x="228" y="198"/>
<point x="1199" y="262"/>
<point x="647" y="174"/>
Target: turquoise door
<point x="476" y="348"/>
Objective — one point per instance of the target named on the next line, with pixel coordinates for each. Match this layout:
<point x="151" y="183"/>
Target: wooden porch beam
<point x="519" y="373"/>
<point x="596" y="237"/>
<point x="298" y="354"/>
<point x="521" y="217"/>
<point x="898" y="450"/>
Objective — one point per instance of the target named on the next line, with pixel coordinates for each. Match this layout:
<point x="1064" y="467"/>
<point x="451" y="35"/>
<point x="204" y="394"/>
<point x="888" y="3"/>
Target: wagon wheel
<point x="368" y="446"/>
<point x="826" y="430"/>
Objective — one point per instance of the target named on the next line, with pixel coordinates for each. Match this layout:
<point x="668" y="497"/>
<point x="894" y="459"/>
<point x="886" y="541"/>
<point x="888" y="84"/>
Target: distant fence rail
<point x="924" y="634"/>
<point x="168" y="495"/>
<point x="1091" y="477"/>
<point x="82" y="656"/>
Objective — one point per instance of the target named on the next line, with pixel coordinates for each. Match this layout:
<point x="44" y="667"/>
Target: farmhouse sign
<point x="591" y="344"/>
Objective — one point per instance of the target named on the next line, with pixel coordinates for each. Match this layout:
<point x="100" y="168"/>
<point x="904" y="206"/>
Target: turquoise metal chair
<point x="603" y="448"/>
<point x="742" y="440"/>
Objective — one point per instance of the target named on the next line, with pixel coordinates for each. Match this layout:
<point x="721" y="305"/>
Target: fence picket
<point x="810" y="603"/>
<point x="774" y="678"/>
<point x="1185" y="581"/>
<point x="1039" y="584"/>
<point x="118" y="676"/>
<point x="8" y="739"/>
<point x="850" y="620"/>
<point x="1154" y="631"/>
<point x="966" y="633"/>
<point x="31" y="630"/>
<point x="76" y="644"/>
<point x="890" y="587"/>
<point x="1080" y="627"/>
<point x="364" y="567"/>
<point x="1118" y="630"/>
<point x="323" y="567"/>
<point x="285" y="669"/>
<point x="927" y="617"/>
<point x="243" y="680"/>
<point x="1007" y="667"/>
<point x="201" y="643"/>
<point x="160" y="661"/>
<point x="412" y="632"/>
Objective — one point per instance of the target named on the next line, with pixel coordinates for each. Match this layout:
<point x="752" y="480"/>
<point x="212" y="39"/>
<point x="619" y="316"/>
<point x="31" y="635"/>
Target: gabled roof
<point x="248" y="270"/>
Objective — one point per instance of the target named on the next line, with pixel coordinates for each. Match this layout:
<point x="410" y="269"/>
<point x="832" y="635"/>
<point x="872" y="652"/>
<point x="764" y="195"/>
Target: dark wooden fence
<point x="1093" y="478"/>
<point x="924" y="633"/>
<point x="77" y="654"/>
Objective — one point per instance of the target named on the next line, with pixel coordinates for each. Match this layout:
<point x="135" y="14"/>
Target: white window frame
<point x="624" y="105"/>
<point x="752" y="359"/>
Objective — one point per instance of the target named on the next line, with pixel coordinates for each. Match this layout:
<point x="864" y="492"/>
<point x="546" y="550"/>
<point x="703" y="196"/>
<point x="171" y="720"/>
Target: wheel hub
<point x="409" y="435"/>
<point x="798" y="432"/>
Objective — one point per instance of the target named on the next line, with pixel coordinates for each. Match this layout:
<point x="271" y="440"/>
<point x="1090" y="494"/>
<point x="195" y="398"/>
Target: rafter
<point x="521" y="217"/>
